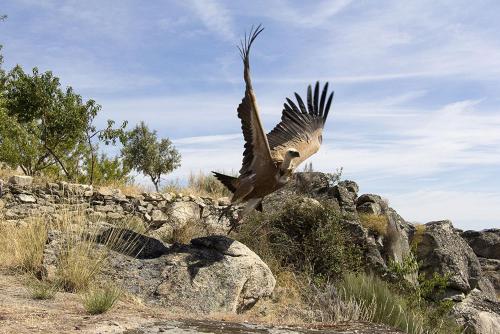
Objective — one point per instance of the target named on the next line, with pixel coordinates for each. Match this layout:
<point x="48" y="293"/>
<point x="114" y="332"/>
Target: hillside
<point x="306" y="261"/>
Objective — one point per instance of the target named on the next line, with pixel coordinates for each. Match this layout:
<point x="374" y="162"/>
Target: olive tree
<point x="55" y="125"/>
<point x="144" y="152"/>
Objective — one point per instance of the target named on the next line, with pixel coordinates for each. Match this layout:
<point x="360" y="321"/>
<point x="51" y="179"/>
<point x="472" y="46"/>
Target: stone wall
<point x="20" y="199"/>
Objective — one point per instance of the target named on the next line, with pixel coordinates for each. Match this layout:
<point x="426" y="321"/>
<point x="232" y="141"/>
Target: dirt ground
<point x="20" y="314"/>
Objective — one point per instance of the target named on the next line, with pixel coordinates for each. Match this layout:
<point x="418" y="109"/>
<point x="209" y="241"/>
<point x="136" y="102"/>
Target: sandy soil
<point x="20" y="314"/>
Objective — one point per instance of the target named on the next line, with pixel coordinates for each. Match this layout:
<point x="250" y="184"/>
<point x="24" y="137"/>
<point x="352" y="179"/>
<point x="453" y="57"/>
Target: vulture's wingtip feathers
<point x="316" y="105"/>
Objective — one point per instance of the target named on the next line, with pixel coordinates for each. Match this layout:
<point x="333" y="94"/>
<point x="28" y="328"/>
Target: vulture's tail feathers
<point x="228" y="181"/>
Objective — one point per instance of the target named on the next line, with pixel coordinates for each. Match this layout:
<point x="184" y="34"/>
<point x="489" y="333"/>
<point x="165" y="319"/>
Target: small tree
<point x="143" y="152"/>
<point x="44" y="126"/>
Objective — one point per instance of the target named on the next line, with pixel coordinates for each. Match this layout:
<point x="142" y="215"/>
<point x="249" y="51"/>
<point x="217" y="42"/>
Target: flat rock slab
<point x="219" y="327"/>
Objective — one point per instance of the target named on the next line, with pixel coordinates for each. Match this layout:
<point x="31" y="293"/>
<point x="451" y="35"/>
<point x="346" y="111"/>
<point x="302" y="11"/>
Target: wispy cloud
<point x="215" y="16"/>
<point x="309" y="15"/>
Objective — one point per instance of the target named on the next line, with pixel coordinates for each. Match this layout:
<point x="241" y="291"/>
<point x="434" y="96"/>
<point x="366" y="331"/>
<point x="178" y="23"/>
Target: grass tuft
<point x="41" y="289"/>
<point x="418" y="235"/>
<point x="100" y="300"/>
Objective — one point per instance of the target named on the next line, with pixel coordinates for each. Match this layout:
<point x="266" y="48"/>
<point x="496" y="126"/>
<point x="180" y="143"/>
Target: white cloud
<point x="214" y="16"/>
<point x="413" y="142"/>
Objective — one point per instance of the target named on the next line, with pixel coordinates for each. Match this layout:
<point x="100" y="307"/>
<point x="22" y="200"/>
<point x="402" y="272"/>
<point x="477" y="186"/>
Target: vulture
<point x="270" y="159"/>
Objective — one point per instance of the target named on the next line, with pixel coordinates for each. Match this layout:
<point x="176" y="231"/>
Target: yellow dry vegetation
<point x="21" y="245"/>
<point x="375" y="223"/>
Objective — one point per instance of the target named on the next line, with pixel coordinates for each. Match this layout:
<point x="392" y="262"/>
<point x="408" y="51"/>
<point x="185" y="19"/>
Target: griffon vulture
<point x="269" y="160"/>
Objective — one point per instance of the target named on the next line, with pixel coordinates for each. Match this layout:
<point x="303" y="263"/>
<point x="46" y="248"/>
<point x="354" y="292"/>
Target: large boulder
<point x="484" y="243"/>
<point x="442" y="250"/>
<point x="478" y="315"/>
<point x="491" y="270"/>
<point x="212" y="274"/>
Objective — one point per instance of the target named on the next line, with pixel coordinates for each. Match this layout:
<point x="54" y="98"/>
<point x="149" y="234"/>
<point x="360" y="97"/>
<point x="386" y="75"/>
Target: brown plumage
<point x="269" y="160"/>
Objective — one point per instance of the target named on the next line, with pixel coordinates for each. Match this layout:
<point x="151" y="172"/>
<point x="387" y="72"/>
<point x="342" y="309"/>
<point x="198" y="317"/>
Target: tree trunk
<point x="59" y="162"/>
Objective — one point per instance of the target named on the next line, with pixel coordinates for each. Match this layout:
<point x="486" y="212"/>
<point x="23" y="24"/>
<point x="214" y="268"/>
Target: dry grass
<point x="6" y="172"/>
<point x="330" y="305"/>
<point x="82" y="260"/>
<point x="21" y="247"/>
<point x="128" y="189"/>
<point x="193" y="228"/>
<point x="200" y="184"/>
<point x="375" y="223"/>
<point x="79" y="266"/>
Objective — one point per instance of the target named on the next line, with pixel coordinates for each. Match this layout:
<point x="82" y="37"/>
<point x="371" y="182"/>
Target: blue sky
<point x="417" y="84"/>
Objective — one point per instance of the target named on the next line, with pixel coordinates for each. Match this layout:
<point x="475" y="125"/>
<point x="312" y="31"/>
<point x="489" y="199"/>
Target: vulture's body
<point x="269" y="160"/>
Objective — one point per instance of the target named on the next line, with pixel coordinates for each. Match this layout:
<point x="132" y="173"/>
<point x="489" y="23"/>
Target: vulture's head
<point x="293" y="153"/>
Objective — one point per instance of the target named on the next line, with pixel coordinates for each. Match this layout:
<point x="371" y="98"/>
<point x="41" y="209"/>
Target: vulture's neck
<point x="287" y="162"/>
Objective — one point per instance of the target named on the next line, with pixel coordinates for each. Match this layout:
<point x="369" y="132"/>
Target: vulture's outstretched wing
<point x="301" y="128"/>
<point x="257" y="154"/>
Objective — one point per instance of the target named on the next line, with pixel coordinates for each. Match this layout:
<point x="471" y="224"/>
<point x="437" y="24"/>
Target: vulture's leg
<point x="259" y="207"/>
<point x="251" y="205"/>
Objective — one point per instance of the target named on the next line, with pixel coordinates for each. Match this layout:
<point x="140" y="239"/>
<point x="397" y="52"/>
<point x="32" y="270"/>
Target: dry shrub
<point x="375" y="223"/>
<point x="305" y="245"/>
<point x="21" y="247"/>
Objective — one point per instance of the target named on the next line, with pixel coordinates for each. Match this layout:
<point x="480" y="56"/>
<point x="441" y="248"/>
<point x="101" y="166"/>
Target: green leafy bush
<point x="305" y="235"/>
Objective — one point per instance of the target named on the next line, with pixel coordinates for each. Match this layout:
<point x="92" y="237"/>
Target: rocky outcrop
<point x="477" y="314"/>
<point x="211" y="274"/>
<point x="442" y="250"/>
<point x="484" y="243"/>
<point x="217" y="274"/>
<point x="378" y="249"/>
<point x="491" y="270"/>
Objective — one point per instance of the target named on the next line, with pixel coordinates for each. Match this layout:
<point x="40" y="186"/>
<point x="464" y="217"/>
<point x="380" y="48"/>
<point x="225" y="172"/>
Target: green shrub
<point x="304" y="235"/>
<point x="100" y="300"/>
